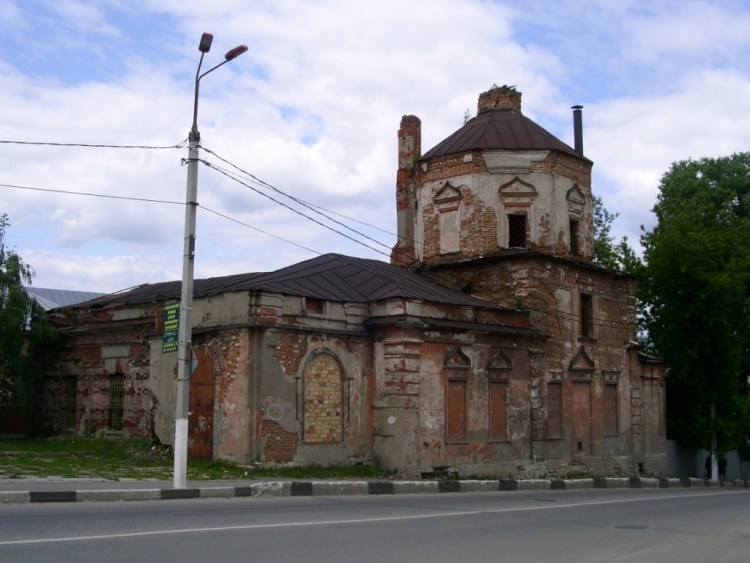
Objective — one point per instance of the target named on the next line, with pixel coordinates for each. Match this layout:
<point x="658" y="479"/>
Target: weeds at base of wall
<point x="355" y="471"/>
<point x="117" y="458"/>
<point x="579" y="475"/>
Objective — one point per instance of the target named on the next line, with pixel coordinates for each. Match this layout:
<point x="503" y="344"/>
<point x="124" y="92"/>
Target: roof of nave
<point x="331" y="277"/>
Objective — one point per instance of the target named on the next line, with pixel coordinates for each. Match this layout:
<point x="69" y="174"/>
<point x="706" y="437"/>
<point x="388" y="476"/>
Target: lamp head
<point x="236" y="52"/>
<point x="205" y="44"/>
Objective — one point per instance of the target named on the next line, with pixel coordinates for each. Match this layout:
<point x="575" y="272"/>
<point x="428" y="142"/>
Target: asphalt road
<point x="589" y="525"/>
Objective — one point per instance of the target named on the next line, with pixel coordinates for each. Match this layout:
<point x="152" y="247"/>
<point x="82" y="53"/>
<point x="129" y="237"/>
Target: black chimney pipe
<point x="578" y="129"/>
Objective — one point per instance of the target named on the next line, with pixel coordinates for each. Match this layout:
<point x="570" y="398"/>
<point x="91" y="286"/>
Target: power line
<point x="89" y="194"/>
<point x="298" y="200"/>
<point x="179" y="145"/>
<point x="303" y="203"/>
<point x="312" y="207"/>
<point x="259" y="230"/>
<point x="147" y="200"/>
<point x="231" y="176"/>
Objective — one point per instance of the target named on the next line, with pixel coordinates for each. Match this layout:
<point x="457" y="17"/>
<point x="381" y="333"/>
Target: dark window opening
<point x="574" y="238"/>
<point x="517" y="231"/>
<point x="116" y="402"/>
<point x="587" y="316"/>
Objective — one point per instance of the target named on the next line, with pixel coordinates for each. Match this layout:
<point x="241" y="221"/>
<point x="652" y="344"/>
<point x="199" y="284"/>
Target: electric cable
<point x="227" y="217"/>
<point x="239" y="181"/>
<point x="90" y="194"/>
<point x="304" y="204"/>
<point x="298" y="200"/>
<point x="179" y="145"/>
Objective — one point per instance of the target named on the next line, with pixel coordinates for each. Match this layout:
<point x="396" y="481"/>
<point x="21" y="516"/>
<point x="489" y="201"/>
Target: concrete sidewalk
<point x="85" y="490"/>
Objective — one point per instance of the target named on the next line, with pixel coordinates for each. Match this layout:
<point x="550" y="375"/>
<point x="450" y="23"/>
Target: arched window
<point x="322" y="399"/>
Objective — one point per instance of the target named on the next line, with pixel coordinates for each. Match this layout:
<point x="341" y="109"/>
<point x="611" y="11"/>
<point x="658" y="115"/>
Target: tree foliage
<point x="696" y="290"/>
<point x="607" y="253"/>
<point x="25" y="334"/>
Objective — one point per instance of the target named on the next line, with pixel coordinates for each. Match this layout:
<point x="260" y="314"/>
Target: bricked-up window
<point x="554" y="409"/>
<point x="498" y="410"/>
<point x="574" y="237"/>
<point x="449" y="231"/>
<point x="498" y="368"/>
<point x="517" y="231"/>
<point x="116" y="402"/>
<point x="322" y="414"/>
<point x="71" y="399"/>
<point x="457" y="368"/>
<point x="455" y="411"/>
<point x="315" y="306"/>
<point x="611" y="412"/>
<point x="587" y="315"/>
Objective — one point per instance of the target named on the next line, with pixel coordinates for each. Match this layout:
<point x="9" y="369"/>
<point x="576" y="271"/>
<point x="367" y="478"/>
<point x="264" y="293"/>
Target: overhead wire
<point x="233" y="177"/>
<point x="179" y="145"/>
<point x="150" y="200"/>
<point x="310" y="205"/>
<point x="90" y="194"/>
<point x="298" y="200"/>
<point x="203" y="208"/>
<point x="320" y="210"/>
<point x="313" y="207"/>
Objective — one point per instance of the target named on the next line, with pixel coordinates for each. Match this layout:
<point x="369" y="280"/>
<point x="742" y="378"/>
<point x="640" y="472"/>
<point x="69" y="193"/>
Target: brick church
<point x="490" y="346"/>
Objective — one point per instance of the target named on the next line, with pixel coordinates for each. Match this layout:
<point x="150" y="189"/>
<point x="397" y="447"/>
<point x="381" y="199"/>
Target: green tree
<point x="25" y="334"/>
<point x="696" y="291"/>
<point x="607" y="253"/>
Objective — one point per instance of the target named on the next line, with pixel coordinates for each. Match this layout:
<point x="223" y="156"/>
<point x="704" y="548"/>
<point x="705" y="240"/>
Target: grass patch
<point x="77" y="456"/>
<point x="118" y="458"/>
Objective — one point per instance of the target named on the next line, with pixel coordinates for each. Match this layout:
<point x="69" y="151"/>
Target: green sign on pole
<point x="171" y="340"/>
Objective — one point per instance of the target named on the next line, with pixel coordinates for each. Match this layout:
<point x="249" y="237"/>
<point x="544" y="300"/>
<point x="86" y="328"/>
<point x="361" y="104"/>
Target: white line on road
<point x="353" y="520"/>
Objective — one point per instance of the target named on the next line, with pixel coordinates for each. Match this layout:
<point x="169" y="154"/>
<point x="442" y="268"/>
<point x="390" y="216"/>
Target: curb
<point x="270" y="489"/>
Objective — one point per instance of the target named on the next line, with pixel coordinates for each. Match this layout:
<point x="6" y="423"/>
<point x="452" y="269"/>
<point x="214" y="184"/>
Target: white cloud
<point x="82" y="17"/>
<point x="313" y="108"/>
<point x="634" y="141"/>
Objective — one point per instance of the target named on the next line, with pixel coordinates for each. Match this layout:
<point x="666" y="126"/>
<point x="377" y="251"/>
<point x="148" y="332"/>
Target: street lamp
<point x="184" y="359"/>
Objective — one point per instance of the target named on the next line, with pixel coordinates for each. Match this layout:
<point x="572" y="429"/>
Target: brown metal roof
<point x="332" y="277"/>
<point x="500" y="130"/>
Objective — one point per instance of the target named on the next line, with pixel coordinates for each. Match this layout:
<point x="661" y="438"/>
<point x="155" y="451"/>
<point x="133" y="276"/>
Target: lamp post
<point x="184" y="359"/>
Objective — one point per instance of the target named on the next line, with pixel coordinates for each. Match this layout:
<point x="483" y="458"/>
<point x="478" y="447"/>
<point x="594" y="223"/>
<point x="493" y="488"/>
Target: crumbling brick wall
<point x="92" y="357"/>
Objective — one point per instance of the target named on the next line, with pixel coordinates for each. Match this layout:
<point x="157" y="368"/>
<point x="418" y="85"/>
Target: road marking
<point x="353" y="521"/>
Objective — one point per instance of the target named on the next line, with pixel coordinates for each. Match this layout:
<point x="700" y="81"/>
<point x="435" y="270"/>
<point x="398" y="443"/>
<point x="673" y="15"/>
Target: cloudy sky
<point x="312" y="109"/>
